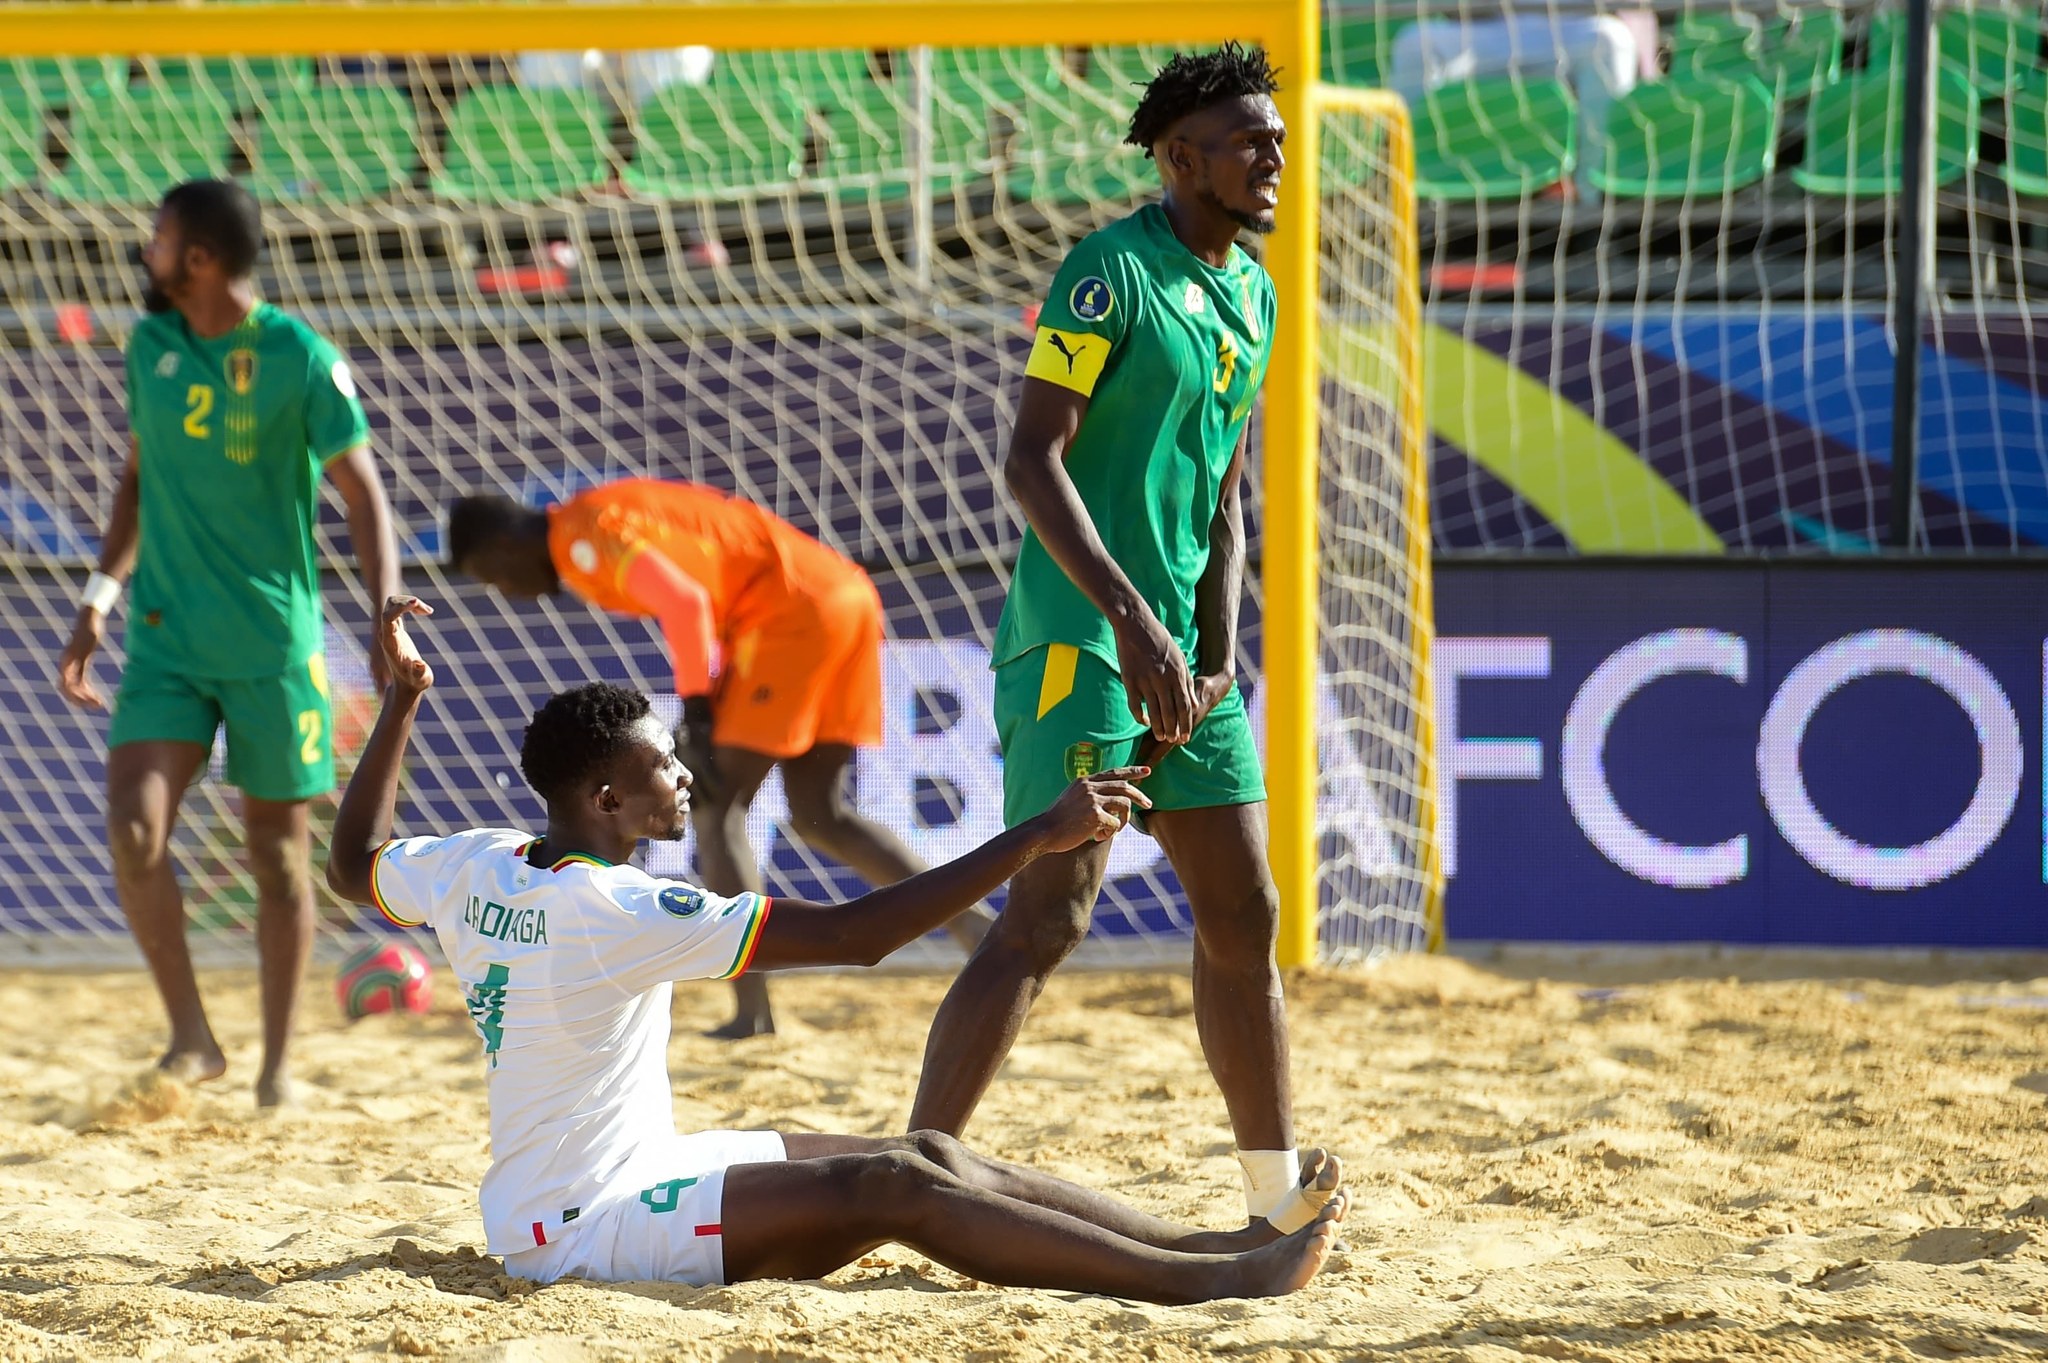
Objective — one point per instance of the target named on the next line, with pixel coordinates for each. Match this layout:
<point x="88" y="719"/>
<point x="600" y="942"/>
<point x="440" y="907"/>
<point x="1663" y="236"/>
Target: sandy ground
<point x="1677" y="1157"/>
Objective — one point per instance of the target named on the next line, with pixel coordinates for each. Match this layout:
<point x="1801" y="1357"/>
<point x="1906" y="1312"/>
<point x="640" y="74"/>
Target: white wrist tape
<point x="100" y="594"/>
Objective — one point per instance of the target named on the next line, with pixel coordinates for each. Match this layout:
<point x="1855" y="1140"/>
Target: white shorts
<point x="669" y="1232"/>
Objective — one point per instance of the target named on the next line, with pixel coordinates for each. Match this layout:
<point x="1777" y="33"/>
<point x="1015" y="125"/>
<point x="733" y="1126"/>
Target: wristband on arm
<point x="100" y="594"/>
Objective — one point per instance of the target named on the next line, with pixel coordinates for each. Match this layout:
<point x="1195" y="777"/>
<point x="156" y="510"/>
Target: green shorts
<point x="279" y="728"/>
<point x="1062" y="713"/>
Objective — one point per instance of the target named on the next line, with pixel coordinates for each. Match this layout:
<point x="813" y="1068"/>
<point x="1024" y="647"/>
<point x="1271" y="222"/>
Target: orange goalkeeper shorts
<point x="807" y="673"/>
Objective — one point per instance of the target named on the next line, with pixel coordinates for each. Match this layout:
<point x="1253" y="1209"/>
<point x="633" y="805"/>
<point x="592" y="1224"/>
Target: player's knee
<point x="1246" y="933"/>
<point x="1040" y="939"/>
<point x="282" y="869"/>
<point x="891" y="1184"/>
<point x="941" y="1149"/>
<point x="136" y="843"/>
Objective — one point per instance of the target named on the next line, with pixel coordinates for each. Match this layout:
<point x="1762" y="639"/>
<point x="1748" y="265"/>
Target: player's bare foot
<point x="193" y="1064"/>
<point x="1289" y="1262"/>
<point x="743" y="1026"/>
<point x="276" y="1090"/>
<point x="1322" y="1174"/>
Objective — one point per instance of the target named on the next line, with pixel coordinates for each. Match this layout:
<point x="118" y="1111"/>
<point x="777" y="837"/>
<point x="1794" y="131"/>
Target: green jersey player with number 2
<point x="236" y="411"/>
<point x="1117" y="642"/>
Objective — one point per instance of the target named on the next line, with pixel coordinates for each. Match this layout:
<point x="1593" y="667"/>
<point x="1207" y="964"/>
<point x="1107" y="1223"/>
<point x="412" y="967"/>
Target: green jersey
<point x="233" y="433"/>
<point x="1170" y="352"/>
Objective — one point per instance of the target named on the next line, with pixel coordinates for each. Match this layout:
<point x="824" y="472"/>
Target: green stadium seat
<point x="2026" y="136"/>
<point x="1494" y="139"/>
<point x="513" y="145"/>
<point x="1355" y="50"/>
<point x="1676" y="138"/>
<point x="1990" y="48"/>
<point x="21" y="138"/>
<point x="60" y="82"/>
<point x="708" y="143"/>
<point x="244" y="82"/>
<point x="1709" y="45"/>
<point x="1854" y="134"/>
<point x="130" y="145"/>
<point x="1071" y="148"/>
<point x="1805" y="59"/>
<point x="336" y="143"/>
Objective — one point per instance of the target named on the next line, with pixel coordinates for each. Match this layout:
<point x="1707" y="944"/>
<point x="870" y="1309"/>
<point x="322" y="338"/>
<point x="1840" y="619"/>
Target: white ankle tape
<point x="1269" y="1177"/>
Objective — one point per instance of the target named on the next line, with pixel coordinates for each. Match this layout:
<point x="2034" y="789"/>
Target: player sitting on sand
<point x="566" y="956"/>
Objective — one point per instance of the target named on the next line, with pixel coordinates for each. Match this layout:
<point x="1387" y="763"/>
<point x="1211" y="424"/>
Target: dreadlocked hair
<point x="1192" y="82"/>
<point x="577" y="735"/>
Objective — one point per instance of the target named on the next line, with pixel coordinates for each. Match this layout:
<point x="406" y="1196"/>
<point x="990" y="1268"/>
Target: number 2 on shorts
<point x="311" y="729"/>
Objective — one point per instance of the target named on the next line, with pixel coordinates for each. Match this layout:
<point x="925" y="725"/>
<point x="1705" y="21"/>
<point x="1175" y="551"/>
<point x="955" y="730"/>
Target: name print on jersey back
<point x="526" y="926"/>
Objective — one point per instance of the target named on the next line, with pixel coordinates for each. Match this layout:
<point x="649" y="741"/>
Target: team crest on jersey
<point x="167" y="365"/>
<point x="680" y="901"/>
<point x="1092" y="299"/>
<point x="1196" y="301"/>
<point x="1083" y="759"/>
<point x="241" y="370"/>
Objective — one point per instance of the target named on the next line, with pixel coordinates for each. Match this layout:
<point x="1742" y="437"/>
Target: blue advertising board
<point x="1763" y="752"/>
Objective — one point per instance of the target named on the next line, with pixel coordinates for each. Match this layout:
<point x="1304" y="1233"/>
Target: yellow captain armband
<point x="1071" y="359"/>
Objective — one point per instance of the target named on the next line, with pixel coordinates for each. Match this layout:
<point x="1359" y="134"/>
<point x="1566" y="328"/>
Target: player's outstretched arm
<point x="1093" y="809"/>
<point x="1154" y="672"/>
<point x="117" y="560"/>
<point x="371" y="801"/>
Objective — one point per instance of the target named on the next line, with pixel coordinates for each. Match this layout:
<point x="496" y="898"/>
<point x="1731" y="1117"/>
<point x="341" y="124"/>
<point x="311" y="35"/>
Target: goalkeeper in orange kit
<point x="776" y="642"/>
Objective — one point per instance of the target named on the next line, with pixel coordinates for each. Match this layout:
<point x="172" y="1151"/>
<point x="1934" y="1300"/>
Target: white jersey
<point x="567" y="971"/>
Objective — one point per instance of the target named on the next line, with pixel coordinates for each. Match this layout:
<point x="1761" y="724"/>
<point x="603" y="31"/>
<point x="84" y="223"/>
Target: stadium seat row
<point x="827" y="122"/>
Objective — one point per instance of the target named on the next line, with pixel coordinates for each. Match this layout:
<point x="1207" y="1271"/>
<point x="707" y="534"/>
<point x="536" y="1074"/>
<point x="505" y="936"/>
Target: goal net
<point x="807" y="278"/>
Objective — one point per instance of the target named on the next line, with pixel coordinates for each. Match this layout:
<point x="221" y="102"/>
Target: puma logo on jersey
<point x="1071" y="359"/>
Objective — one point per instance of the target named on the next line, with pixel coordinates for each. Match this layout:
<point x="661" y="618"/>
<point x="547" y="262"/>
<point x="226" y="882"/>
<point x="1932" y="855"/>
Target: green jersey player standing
<point x="1117" y="642"/>
<point x="235" y="412"/>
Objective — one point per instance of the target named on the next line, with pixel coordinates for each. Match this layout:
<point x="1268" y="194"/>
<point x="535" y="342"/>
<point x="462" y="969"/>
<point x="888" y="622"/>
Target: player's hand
<point x="403" y="664"/>
<point x="1094" y="808"/>
<point x="74" y="668"/>
<point x="694" y="749"/>
<point x="1209" y="693"/>
<point x="1155" y="675"/>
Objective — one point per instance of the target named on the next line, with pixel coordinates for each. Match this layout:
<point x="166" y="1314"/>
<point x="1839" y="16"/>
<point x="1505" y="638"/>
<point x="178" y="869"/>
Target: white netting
<point x="805" y="278"/>
<point x="1655" y="246"/>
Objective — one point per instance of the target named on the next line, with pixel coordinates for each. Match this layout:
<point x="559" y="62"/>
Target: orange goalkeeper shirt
<point x="709" y="567"/>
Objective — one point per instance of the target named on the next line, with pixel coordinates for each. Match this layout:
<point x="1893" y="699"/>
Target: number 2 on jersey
<point x="1226" y="363"/>
<point x="198" y="407"/>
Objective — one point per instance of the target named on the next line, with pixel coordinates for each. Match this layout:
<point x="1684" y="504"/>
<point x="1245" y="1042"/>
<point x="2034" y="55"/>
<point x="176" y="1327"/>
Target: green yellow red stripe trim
<point x="575" y="857"/>
<point x="744" y="957"/>
<point x="377" y="896"/>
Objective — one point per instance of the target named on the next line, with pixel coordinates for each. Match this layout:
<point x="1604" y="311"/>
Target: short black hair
<point x="1192" y="82"/>
<point x="474" y="522"/>
<point x="576" y="735"/>
<point x="222" y="218"/>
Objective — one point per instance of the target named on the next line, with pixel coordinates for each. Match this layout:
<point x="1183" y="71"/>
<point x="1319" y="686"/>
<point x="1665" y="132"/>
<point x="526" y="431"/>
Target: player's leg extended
<point x="1050" y="903"/>
<point x="280" y="752"/>
<point x="1319" y="1170"/>
<point x="145" y="781"/>
<point x="823" y="817"/>
<point x="1219" y="854"/>
<point x="804" y="1218"/>
<point x="725" y="861"/>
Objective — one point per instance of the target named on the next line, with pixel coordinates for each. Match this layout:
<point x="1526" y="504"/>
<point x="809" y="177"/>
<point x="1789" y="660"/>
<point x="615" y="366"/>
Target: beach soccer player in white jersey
<point x="567" y="955"/>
